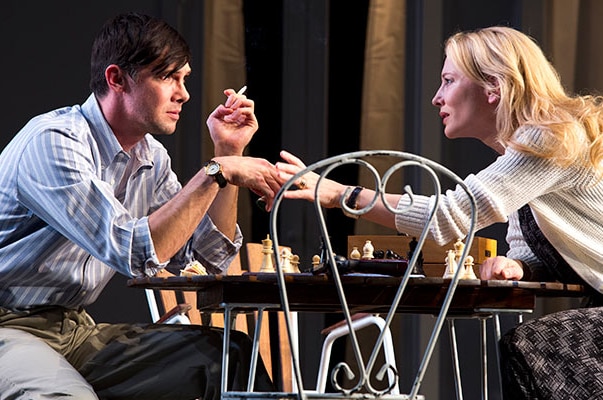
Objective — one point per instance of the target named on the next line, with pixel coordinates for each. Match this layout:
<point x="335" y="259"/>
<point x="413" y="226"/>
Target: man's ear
<point x="115" y="77"/>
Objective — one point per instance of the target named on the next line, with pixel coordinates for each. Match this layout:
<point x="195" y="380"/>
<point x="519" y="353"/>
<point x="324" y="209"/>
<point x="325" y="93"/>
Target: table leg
<point x="455" y="359"/>
<point x="225" y="350"/>
<point x="483" y="334"/>
<point x="256" y="349"/>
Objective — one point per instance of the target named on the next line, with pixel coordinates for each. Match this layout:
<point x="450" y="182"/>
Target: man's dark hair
<point x="134" y="41"/>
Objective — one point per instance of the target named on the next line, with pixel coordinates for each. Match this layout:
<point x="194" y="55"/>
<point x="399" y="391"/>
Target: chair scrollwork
<point x="363" y="388"/>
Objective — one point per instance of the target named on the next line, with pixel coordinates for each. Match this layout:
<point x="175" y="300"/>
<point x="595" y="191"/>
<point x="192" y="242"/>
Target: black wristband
<point x="351" y="201"/>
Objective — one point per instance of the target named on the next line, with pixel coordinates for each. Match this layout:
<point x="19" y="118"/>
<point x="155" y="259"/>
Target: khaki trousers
<point x="55" y="353"/>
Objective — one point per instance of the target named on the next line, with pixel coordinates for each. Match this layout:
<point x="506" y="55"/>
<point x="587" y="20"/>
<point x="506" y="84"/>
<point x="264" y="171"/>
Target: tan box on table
<point x="434" y="256"/>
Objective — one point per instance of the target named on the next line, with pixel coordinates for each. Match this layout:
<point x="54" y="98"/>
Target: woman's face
<point x="467" y="109"/>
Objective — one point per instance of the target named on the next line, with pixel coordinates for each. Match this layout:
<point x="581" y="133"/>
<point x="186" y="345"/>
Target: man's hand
<point x="501" y="268"/>
<point x="232" y="124"/>
<point x="257" y="174"/>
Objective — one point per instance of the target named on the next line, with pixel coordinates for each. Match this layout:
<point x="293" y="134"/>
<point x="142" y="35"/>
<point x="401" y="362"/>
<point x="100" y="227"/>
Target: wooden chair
<point x="281" y="357"/>
<point x="170" y="306"/>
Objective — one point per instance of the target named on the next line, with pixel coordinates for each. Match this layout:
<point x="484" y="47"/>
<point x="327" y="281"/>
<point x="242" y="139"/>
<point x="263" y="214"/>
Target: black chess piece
<point x="392" y="255"/>
<point x="324" y="265"/>
<point x="378" y="254"/>
<point x="418" y="268"/>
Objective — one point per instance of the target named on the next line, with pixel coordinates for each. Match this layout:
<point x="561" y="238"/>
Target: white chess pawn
<point x="367" y="250"/>
<point x="286" y="260"/>
<point x="459" y="246"/>
<point x="295" y="263"/>
<point x="469" y="272"/>
<point x="315" y="261"/>
<point x="355" y="254"/>
<point x="267" y="264"/>
<point x="451" y="264"/>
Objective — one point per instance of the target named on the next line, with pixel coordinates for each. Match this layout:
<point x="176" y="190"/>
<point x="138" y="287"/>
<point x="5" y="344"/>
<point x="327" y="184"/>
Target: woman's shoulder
<point x="536" y="140"/>
<point x="531" y="135"/>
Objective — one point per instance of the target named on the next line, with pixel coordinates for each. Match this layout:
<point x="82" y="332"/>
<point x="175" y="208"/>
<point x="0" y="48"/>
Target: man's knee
<point x="30" y="369"/>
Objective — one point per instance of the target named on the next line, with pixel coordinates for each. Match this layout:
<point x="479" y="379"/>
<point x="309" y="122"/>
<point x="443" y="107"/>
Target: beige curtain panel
<point x="382" y="120"/>
<point x="224" y="67"/>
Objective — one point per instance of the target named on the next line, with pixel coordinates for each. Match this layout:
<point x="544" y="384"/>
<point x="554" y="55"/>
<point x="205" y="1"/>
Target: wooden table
<point x="364" y="293"/>
<point x="315" y="293"/>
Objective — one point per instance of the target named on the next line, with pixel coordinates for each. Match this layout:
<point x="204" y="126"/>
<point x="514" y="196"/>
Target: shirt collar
<point x="108" y="145"/>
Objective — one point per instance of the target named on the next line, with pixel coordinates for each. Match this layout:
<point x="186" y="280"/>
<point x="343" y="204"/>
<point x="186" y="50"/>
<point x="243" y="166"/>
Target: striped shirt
<point x="74" y="207"/>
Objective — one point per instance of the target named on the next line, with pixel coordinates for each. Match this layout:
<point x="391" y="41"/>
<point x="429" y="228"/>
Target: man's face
<point x="154" y="102"/>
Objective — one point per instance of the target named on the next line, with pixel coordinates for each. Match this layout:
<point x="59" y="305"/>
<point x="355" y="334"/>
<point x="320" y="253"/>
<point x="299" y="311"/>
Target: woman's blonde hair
<point x="509" y="63"/>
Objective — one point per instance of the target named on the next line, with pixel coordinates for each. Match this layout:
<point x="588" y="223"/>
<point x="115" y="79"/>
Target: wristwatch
<point x="351" y="202"/>
<point x="214" y="169"/>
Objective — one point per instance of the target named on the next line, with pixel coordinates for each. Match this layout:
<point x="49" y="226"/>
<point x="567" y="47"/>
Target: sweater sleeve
<point x="512" y="180"/>
<point x="533" y="268"/>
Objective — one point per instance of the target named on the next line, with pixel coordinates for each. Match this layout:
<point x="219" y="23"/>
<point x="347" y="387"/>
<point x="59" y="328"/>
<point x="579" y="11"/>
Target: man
<point x="85" y="192"/>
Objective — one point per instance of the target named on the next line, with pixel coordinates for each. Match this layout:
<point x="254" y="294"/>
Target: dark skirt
<point x="558" y="356"/>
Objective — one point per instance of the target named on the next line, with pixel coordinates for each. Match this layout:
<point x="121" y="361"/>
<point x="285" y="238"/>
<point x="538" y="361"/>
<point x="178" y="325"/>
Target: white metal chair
<point x="363" y="387"/>
<point x="343" y="329"/>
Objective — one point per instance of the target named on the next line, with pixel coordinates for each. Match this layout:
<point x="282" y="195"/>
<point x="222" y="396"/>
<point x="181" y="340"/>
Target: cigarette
<point x="242" y="90"/>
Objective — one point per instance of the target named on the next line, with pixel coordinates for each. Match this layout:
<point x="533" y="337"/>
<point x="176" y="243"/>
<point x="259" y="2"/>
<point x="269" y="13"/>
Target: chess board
<point x="434" y="255"/>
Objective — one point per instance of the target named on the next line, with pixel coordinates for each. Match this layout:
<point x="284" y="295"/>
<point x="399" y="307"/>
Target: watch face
<point x="213" y="168"/>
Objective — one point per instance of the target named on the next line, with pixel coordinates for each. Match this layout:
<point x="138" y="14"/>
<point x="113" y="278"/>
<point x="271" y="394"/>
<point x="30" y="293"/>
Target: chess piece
<point x="267" y="264"/>
<point x="324" y="251"/>
<point x="367" y="250"/>
<point x="295" y="263"/>
<point x="316" y="264"/>
<point x="451" y="265"/>
<point x="418" y="267"/>
<point x="459" y="246"/>
<point x="379" y="254"/>
<point x="193" y="268"/>
<point x="286" y="260"/>
<point x="469" y="272"/>
<point x="355" y="254"/>
<point x="315" y="260"/>
<point x="390" y="255"/>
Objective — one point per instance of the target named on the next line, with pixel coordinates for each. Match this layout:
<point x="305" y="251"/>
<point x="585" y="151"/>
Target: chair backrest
<point x="170" y="301"/>
<point x="165" y="304"/>
<point x="401" y="160"/>
<point x="278" y="362"/>
<point x="162" y="302"/>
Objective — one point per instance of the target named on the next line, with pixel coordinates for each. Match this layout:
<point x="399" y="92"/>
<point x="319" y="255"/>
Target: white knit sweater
<point x="567" y="204"/>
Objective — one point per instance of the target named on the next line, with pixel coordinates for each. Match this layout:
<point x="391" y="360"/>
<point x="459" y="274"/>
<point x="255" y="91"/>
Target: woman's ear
<point x="493" y="97"/>
<point x="494" y="93"/>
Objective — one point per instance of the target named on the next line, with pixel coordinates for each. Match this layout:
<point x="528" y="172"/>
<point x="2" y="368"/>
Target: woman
<point x="497" y="86"/>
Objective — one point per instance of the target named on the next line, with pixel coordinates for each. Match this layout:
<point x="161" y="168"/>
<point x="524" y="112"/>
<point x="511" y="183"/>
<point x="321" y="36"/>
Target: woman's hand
<point x="330" y="192"/>
<point x="501" y="268"/>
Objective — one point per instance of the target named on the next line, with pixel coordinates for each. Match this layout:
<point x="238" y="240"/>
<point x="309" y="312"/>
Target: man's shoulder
<point x="45" y="131"/>
<point x="67" y="117"/>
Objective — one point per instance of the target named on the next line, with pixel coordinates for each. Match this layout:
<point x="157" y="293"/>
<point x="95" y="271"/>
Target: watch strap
<point x="352" y="202"/>
<point x="218" y="176"/>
